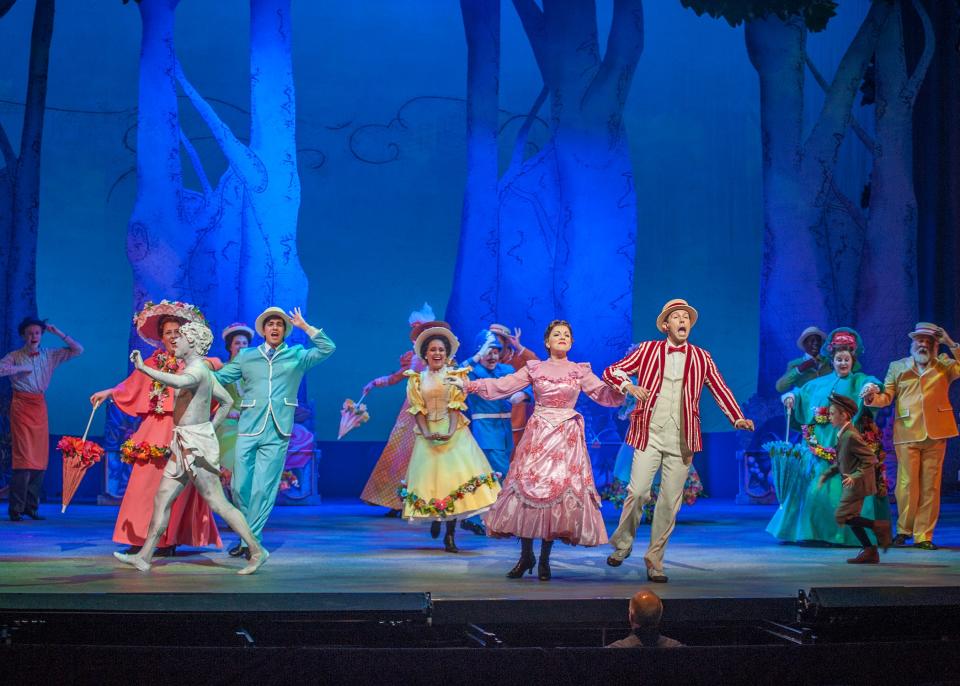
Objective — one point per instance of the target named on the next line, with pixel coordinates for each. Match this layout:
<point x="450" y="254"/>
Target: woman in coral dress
<point x="549" y="492"/>
<point x="449" y="476"/>
<point x="191" y="521"/>
<point x="391" y="467"/>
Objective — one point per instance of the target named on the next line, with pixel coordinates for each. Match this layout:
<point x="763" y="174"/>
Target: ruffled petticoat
<point x="549" y="492"/>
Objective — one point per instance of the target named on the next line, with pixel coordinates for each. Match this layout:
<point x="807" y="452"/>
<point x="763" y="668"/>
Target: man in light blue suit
<point x="269" y="376"/>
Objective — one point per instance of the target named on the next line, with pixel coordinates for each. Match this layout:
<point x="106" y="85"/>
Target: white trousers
<point x="666" y="451"/>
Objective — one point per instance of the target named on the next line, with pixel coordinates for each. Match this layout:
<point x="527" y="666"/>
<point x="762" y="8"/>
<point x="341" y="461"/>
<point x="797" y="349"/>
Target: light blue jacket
<point x="269" y="386"/>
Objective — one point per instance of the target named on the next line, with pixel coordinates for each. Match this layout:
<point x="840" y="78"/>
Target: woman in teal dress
<point x="806" y="508"/>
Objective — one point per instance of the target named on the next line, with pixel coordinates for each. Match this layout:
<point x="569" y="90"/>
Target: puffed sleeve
<point x="414" y="396"/>
<point x="458" y="398"/>
<point x="504" y="387"/>
<point x="597" y="390"/>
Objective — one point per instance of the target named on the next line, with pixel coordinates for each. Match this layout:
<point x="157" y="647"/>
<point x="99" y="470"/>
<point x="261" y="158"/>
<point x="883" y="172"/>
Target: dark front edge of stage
<point x="415" y="607"/>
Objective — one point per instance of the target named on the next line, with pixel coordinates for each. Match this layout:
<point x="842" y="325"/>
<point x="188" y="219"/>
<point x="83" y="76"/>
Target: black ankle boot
<point x="543" y="570"/>
<point x="448" y="543"/>
<point x="526" y="561"/>
<point x="434" y="529"/>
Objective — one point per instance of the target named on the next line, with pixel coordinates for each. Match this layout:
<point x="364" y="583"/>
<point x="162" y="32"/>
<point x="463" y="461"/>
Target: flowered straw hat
<point x="147" y="320"/>
<point x="843" y="336"/>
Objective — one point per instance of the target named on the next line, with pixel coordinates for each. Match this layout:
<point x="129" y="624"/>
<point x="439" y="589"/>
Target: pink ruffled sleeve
<point x="599" y="392"/>
<point x="504" y="387"/>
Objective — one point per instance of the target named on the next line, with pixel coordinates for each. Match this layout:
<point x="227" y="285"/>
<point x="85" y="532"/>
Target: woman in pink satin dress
<point x="549" y="492"/>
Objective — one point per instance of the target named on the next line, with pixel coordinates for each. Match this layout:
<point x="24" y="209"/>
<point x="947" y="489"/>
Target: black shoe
<point x="392" y="513"/>
<point x="656" y="577"/>
<point x="237" y="550"/>
<point x="435" y="529"/>
<point x="133" y="550"/>
<point x="166" y="551"/>
<point x="543" y="570"/>
<point x="524" y="564"/>
<point x="478" y="529"/>
<point x="16" y="517"/>
<point x="926" y="545"/>
<point x="449" y="544"/>
<point x="900" y="540"/>
<point x="34" y="515"/>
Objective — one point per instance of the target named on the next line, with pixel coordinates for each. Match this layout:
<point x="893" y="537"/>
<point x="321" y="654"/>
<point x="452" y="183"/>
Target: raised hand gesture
<point x="296" y="318"/>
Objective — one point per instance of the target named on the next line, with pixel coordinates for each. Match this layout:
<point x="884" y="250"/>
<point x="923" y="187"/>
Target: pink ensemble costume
<point x="549" y="492"/>
<point x="191" y="520"/>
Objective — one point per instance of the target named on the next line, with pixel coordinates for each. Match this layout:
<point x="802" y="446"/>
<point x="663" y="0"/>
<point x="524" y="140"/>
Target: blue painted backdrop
<point x="381" y="147"/>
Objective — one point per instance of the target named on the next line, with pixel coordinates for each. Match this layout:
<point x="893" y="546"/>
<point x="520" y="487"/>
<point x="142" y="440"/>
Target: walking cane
<point x="786" y="437"/>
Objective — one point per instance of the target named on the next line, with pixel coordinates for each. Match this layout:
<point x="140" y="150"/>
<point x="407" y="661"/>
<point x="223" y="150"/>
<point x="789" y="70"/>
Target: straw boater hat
<point x="442" y="329"/>
<point x="147" y="320"/>
<point x="415" y="329"/>
<point x="673" y="306"/>
<point x="848" y="405"/>
<point x="236" y="327"/>
<point x="271" y="312"/>
<point x="925" y="329"/>
<point x="810" y="331"/>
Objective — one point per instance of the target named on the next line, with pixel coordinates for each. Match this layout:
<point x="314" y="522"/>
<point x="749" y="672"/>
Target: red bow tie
<point x="37" y="354"/>
<point x="676" y="349"/>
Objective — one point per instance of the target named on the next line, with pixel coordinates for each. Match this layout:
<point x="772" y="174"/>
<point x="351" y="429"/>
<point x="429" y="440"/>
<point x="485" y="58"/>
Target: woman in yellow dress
<point x="449" y="476"/>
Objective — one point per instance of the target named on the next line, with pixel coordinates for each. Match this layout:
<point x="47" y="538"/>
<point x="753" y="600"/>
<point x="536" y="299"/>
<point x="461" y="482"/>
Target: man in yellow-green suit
<point x="922" y="422"/>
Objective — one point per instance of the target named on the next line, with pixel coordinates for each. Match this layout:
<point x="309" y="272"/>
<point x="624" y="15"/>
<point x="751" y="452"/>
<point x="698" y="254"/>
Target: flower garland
<point x="828" y="454"/>
<point x="158" y="391"/>
<point x="142" y="452"/>
<point x="822" y="415"/>
<point x="445" y="506"/>
<point x="79" y="453"/>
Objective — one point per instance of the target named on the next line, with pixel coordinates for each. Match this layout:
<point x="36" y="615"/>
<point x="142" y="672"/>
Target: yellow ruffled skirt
<point x="449" y="479"/>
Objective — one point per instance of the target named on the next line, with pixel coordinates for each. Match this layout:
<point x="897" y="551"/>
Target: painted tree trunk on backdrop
<point x="802" y="282"/>
<point x="472" y="303"/>
<point x="20" y="205"/>
<point x="229" y="248"/>
<point x="566" y="217"/>
<point x="889" y="298"/>
<point x="20" y="187"/>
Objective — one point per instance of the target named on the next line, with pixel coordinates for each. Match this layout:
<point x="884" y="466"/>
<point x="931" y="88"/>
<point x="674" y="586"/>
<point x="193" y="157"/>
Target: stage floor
<point x="719" y="550"/>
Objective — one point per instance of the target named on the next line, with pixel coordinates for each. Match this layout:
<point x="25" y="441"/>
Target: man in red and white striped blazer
<point x="664" y="427"/>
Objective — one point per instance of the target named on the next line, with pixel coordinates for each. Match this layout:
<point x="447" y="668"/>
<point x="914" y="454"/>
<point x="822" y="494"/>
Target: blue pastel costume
<point x="806" y="511"/>
<point x="490" y="420"/>
<point x="269" y="380"/>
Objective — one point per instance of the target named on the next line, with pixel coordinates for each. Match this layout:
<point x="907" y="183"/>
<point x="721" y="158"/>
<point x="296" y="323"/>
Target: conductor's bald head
<point x="645" y="609"/>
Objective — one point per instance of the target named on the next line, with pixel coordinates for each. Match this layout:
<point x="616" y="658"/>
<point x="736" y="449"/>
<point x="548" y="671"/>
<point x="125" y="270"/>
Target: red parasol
<point x="79" y="455"/>
<point x="352" y="415"/>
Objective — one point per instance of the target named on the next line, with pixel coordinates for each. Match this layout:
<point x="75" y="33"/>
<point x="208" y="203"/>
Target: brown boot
<point x="884" y="534"/>
<point x="867" y="556"/>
